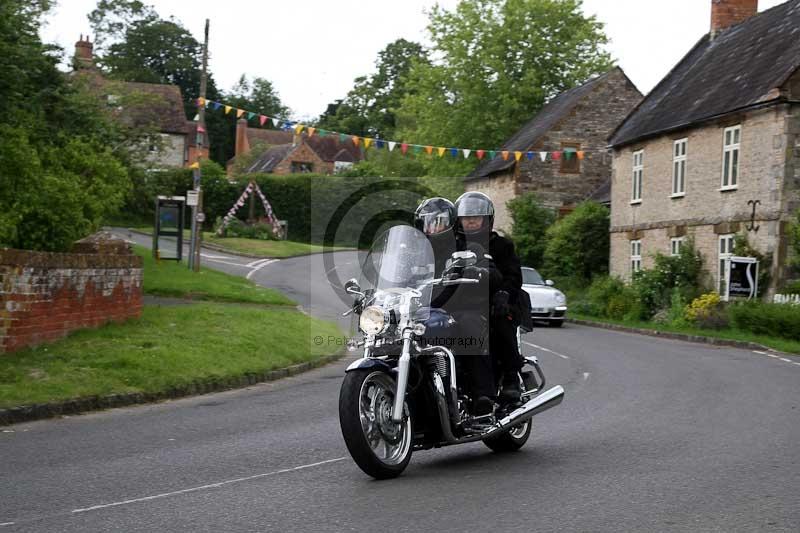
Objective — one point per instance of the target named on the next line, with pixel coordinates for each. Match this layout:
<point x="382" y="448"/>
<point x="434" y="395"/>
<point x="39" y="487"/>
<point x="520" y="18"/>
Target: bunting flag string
<point x="380" y="144"/>
<point x="231" y="214"/>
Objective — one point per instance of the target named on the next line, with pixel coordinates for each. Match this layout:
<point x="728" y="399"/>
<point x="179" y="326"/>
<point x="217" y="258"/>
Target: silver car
<point x="547" y="303"/>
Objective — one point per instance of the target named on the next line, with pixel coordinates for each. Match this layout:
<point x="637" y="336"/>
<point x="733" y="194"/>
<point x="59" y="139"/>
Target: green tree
<point x="370" y="106"/>
<point x="498" y="62"/>
<point x="578" y="244"/>
<point x="529" y="228"/>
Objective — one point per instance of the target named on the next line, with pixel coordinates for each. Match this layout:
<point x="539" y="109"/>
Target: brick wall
<point x="303" y="154"/>
<point x="44" y="296"/>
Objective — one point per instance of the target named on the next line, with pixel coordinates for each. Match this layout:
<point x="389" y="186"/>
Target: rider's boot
<point x="511" y="391"/>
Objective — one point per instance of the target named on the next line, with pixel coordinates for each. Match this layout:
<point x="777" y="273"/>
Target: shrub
<point x="776" y="320"/>
<point x="530" y="223"/>
<point x="609" y="297"/>
<point x="707" y="312"/>
<point x="654" y="287"/>
<point x="578" y="244"/>
<point x="794" y="240"/>
<point x="259" y="230"/>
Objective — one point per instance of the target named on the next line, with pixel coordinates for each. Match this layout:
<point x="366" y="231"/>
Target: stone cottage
<point x="158" y="106"/>
<point x="714" y="150"/>
<point x="578" y="120"/>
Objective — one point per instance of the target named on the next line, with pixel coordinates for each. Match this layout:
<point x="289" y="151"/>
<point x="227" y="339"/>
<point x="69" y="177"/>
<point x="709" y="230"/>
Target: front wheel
<point x="555" y="323"/>
<point x="379" y="446"/>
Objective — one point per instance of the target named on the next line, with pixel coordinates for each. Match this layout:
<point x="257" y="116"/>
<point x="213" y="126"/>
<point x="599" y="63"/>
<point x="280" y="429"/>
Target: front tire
<point x="555" y="323"/>
<point x="512" y="440"/>
<point x="380" y="447"/>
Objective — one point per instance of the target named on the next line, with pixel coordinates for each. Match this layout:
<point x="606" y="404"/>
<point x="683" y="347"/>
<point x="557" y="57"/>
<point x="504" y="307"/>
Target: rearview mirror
<point x="549" y="282"/>
<point x="352" y="287"/>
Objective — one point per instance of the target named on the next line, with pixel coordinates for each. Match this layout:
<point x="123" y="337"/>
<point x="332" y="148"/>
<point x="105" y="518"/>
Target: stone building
<point x="576" y="121"/>
<point x="714" y="150"/>
<point x="156" y="106"/>
<point x="283" y="152"/>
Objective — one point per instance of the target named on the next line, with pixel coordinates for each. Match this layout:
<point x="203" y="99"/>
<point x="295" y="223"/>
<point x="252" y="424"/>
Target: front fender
<point x="372" y="363"/>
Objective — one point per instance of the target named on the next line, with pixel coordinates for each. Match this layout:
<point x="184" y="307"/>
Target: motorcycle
<point x="404" y="394"/>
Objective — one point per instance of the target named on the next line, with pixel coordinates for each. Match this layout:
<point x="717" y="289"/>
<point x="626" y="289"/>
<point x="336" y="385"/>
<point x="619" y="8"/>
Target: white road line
<point x="257" y="262"/>
<point x="548" y="350"/>
<point x="227" y="262"/>
<point x="773" y="356"/>
<point x="585" y="376"/>
<point x="209" y="256"/>
<point x="759" y="353"/>
<point x="7" y="524"/>
<point x="795" y="363"/>
<point x="787" y="360"/>
<point x="259" y="267"/>
<point x="204" y="487"/>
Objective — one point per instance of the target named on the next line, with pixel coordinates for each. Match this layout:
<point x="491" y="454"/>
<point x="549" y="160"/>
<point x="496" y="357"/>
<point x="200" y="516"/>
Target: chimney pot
<point x="84" y="53"/>
<point x="727" y="13"/>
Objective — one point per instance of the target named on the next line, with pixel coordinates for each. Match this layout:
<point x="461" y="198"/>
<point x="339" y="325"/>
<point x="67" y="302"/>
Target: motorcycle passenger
<point x="475" y="220"/>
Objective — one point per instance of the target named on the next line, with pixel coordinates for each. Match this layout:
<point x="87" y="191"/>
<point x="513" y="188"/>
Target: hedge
<point x="777" y="320"/>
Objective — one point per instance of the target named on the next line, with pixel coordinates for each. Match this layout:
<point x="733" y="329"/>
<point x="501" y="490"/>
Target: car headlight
<point x="560" y="298"/>
<point x="372" y="320"/>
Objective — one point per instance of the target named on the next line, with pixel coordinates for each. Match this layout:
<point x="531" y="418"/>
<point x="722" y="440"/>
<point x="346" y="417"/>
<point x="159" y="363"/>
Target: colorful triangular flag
<point x="367" y="142"/>
<point x="403" y="148"/>
<point x="492" y="154"/>
<point x="239" y="113"/>
<point x="517" y="155"/>
<point x="529" y="155"/>
<point x="505" y="155"/>
<point x="217" y="105"/>
<point x="466" y="152"/>
<point x="276" y="122"/>
<point x="480" y="154"/>
<point x="580" y="154"/>
<point x="250" y="115"/>
<point x="355" y="139"/>
<point x="262" y="119"/>
<point x="429" y="149"/>
<point x="543" y="156"/>
<point x="228" y="109"/>
<point x="454" y="152"/>
<point x="556" y="155"/>
<point x="440" y="150"/>
<point x="392" y="144"/>
<point x="311" y="131"/>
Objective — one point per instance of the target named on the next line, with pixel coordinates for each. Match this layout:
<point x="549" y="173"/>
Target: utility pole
<point x="197" y="214"/>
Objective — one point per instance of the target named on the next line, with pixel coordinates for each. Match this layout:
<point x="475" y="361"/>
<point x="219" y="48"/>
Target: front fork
<point x="403" y="365"/>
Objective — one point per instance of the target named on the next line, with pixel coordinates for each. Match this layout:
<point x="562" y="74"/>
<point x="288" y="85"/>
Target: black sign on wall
<point x="741" y="278"/>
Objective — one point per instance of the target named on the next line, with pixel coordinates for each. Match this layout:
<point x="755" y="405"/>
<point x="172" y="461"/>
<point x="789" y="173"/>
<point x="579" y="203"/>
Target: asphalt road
<point x="653" y="435"/>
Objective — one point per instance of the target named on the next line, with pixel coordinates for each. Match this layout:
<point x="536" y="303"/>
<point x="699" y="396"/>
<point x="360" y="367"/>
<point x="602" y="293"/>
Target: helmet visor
<point x="436" y="222"/>
<point x="475" y="206"/>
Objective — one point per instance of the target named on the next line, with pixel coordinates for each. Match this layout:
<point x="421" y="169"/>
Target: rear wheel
<point x="512" y="440"/>
<point x="555" y="323"/>
<point x="379" y="446"/>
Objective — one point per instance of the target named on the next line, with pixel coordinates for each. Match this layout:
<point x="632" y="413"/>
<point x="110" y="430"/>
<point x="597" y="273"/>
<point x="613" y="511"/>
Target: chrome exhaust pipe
<point x="534" y="406"/>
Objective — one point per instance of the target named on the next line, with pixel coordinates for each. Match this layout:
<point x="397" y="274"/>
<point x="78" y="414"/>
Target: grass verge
<point x="776" y="343"/>
<point x="168" y="346"/>
<point x="168" y="278"/>
<point x="257" y="247"/>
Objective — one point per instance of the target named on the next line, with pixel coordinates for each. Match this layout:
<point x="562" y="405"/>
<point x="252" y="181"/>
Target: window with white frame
<point x="675" y="245"/>
<point x="731" y="139"/>
<point x="638" y="170"/>
<point x="725" y="251"/>
<point x="679" y="167"/>
<point x="636" y="256"/>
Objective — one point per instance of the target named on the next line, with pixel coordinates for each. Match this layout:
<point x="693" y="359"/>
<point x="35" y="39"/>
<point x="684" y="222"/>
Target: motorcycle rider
<point x="474" y="230"/>
<point x="436" y="218"/>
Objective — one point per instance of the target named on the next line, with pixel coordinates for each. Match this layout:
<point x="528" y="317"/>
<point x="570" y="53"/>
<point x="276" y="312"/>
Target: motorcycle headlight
<point x="372" y="320"/>
<point x="560" y="298"/>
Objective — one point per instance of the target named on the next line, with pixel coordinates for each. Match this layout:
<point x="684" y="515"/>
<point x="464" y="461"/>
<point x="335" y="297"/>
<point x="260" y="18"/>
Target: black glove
<point x="474" y="272"/>
<point x="500" y="305"/>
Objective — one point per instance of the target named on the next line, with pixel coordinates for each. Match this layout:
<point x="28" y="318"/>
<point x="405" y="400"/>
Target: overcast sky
<point x="313" y="49"/>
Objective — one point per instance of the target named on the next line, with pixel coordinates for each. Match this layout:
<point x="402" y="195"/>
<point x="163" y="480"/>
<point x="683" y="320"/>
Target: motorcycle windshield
<point x="401" y="259"/>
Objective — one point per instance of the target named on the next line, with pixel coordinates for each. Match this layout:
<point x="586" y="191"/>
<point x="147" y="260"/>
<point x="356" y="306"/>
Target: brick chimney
<point x="727" y="13"/>
<point x="242" y="144"/>
<point x="84" y="54"/>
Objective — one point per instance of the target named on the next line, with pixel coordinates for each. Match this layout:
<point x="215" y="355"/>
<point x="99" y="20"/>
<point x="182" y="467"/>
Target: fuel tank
<point x="440" y="324"/>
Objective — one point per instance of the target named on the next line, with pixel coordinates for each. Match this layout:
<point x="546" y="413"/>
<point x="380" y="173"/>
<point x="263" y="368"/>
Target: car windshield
<point x="531" y="277"/>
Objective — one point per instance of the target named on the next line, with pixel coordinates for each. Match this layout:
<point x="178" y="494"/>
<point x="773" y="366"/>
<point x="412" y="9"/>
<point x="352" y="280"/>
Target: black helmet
<point x="475" y="204"/>
<point x="435" y="216"/>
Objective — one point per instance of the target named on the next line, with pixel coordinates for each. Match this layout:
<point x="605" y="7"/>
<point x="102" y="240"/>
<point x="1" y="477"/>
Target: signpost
<point x="168" y="230"/>
<point x="741" y="278"/>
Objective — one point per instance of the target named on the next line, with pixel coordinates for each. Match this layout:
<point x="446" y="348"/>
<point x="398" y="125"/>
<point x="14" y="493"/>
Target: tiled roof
<point x="267" y="161"/>
<point x="266" y="136"/>
<point x="740" y="67"/>
<point x="160" y="107"/>
<point x="545" y="119"/>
